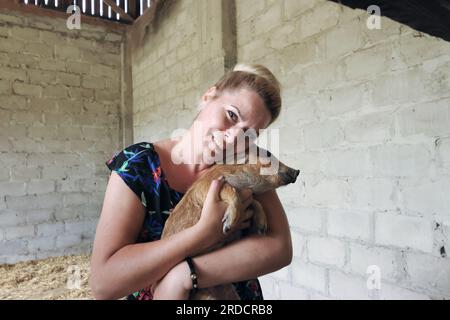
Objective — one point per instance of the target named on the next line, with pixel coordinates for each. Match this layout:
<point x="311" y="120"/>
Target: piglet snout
<point x="289" y="175"/>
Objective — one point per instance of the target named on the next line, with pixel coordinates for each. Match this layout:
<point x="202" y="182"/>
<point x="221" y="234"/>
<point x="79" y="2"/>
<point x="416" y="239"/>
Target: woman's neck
<point x="179" y="162"/>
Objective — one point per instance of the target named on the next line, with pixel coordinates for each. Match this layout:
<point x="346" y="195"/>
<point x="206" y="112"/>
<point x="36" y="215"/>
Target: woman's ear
<point x="209" y="94"/>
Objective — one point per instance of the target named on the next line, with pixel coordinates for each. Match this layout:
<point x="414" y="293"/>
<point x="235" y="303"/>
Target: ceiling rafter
<point x="118" y="10"/>
<point x="97" y="12"/>
<point x="20" y="6"/>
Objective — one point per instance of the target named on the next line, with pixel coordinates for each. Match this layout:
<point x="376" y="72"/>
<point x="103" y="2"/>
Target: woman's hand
<point x="175" y="285"/>
<point x="211" y="224"/>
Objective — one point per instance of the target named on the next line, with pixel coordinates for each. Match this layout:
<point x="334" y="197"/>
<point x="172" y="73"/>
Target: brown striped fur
<point x="188" y="211"/>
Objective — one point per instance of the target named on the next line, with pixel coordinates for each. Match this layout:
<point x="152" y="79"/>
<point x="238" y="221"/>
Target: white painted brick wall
<point x="368" y="109"/>
<point x="327" y="193"/>
<point x="347" y="286"/>
<point x="287" y="291"/>
<point x="166" y="80"/>
<point x="299" y="243"/>
<point x="309" y="276"/>
<point x="373" y="149"/>
<point x="426" y="197"/>
<point x="305" y="219"/>
<point x="399" y="160"/>
<point x="429" y="273"/>
<point x="347" y="224"/>
<point x="56" y="133"/>
<point x="362" y="256"/>
<point x="327" y="251"/>
<point x="374" y="193"/>
<point x="403" y="231"/>
<point x="443" y="153"/>
<point x="19" y="232"/>
<point x="391" y="292"/>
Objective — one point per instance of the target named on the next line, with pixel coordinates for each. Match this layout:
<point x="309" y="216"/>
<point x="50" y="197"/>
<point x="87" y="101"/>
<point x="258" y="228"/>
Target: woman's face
<point x="229" y="115"/>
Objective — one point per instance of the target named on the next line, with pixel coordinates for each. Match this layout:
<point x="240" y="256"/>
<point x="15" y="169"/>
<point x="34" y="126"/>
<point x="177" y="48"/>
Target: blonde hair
<point x="257" y="78"/>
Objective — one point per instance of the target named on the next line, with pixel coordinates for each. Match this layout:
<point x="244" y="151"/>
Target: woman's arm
<point x="241" y="260"/>
<point x="252" y="256"/>
<point x="119" y="266"/>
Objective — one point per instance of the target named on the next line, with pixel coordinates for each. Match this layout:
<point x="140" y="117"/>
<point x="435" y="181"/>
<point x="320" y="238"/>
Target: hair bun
<point x="258" y="70"/>
<point x="245" y="68"/>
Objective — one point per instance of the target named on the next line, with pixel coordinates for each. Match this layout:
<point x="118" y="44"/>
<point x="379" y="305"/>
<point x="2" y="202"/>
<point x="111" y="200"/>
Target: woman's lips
<point x="218" y="139"/>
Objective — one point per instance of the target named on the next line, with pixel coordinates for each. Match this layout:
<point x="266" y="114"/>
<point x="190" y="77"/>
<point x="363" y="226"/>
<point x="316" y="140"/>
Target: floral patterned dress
<point x="139" y="167"/>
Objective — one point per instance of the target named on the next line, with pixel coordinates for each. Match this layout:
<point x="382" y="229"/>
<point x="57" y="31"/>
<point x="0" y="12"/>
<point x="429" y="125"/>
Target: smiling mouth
<point x="221" y="143"/>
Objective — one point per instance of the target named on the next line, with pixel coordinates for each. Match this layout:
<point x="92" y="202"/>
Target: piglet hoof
<point x="229" y="220"/>
<point x="226" y="223"/>
<point x="259" y="226"/>
<point x="259" y="221"/>
<point x="226" y="229"/>
<point x="262" y="229"/>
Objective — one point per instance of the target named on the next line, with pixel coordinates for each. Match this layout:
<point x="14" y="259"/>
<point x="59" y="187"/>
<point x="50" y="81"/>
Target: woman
<point x="146" y="183"/>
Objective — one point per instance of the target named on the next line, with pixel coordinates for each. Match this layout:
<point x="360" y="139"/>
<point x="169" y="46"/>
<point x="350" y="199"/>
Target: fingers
<point x="214" y="189"/>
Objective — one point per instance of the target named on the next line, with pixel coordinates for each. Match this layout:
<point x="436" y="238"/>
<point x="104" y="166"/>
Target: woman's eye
<point x="232" y="115"/>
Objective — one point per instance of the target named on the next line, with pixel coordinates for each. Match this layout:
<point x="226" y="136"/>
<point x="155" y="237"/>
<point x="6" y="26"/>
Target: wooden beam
<point x="126" y="105"/>
<point x="148" y="15"/>
<point x="123" y="15"/>
<point x="12" y="5"/>
<point x="132" y="8"/>
<point x="137" y="32"/>
<point x="229" y="34"/>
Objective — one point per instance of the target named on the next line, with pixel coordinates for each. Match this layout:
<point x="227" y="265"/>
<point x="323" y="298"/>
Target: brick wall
<point x="59" y="123"/>
<point x="366" y="119"/>
<point x="182" y="55"/>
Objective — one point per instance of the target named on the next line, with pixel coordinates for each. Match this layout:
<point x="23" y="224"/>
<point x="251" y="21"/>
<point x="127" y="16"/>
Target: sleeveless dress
<point x="139" y="167"/>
